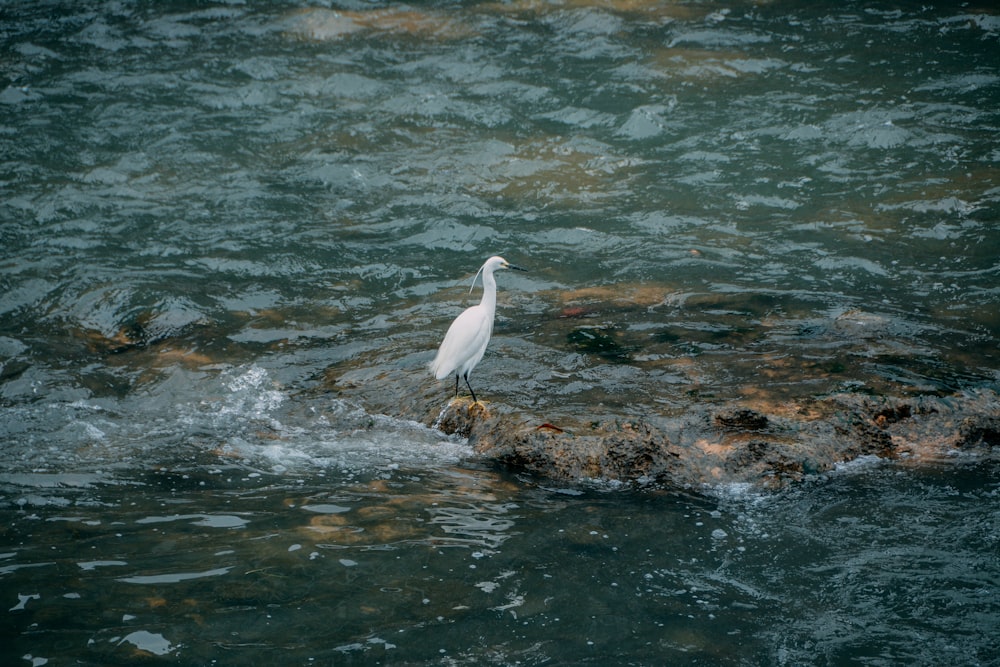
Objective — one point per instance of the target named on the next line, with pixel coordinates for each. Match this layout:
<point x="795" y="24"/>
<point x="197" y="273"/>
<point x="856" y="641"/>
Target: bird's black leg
<point x="456" y="384"/>
<point x="470" y="388"/>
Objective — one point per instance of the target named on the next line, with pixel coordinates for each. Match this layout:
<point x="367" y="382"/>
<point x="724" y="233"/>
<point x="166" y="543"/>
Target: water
<point x="458" y="564"/>
<point x="233" y="234"/>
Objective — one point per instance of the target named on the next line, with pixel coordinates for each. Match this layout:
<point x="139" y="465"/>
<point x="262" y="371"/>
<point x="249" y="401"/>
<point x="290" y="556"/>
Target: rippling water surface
<point x="452" y="563"/>
<point x="207" y="206"/>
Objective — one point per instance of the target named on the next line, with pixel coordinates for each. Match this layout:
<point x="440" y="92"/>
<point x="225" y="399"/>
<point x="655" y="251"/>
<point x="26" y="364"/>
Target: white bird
<point x="465" y="343"/>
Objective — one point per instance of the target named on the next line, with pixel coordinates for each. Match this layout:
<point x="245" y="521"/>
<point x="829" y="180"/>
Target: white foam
<point x="866" y="462"/>
<point x="149" y="642"/>
<point x="241" y="412"/>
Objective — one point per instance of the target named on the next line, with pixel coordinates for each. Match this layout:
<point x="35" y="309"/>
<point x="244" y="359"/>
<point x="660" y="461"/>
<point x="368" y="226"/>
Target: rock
<point x="864" y="437"/>
<point x="772" y="461"/>
<point x="767" y="443"/>
<point x="979" y="432"/>
<point x="742" y="418"/>
<point x="625" y="451"/>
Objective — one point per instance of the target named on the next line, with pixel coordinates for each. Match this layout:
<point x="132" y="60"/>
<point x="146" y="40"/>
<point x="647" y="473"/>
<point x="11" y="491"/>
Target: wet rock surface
<point x="756" y="442"/>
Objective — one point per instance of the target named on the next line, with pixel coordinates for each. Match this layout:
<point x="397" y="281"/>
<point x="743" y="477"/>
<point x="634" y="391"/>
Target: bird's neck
<point x="489" y="291"/>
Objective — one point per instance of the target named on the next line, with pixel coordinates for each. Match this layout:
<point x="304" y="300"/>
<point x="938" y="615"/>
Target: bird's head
<point x="497" y="262"/>
<point x="491" y="265"/>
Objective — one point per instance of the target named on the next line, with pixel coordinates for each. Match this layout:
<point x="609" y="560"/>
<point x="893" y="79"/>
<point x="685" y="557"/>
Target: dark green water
<point x="210" y="563"/>
<point x="206" y="206"/>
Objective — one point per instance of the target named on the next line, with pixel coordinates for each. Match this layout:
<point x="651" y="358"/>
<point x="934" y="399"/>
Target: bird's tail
<point x="438" y="368"/>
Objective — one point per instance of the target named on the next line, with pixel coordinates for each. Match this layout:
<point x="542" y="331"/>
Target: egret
<point x="465" y="343"/>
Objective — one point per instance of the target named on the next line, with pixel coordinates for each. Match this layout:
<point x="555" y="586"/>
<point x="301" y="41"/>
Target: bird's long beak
<point x="516" y="268"/>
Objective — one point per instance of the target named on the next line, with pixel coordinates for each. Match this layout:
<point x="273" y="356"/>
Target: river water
<point x="210" y="212"/>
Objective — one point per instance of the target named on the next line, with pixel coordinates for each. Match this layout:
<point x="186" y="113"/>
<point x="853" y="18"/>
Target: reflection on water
<point x="221" y="223"/>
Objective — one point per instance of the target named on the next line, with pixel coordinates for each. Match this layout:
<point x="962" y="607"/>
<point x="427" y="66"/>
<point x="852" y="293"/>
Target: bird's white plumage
<point x="465" y="343"/>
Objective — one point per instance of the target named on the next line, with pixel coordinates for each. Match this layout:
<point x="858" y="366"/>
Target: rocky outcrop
<point x="733" y="442"/>
<point x="644" y="383"/>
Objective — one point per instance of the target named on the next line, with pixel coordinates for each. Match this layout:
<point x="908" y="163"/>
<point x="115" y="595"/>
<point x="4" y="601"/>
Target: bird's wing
<point x="465" y="342"/>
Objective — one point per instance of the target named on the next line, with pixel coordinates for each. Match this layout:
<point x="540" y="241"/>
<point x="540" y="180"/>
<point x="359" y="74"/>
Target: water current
<point x="211" y="211"/>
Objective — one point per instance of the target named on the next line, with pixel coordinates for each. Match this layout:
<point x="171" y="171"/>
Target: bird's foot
<point x="470" y="406"/>
<point x="478" y="409"/>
